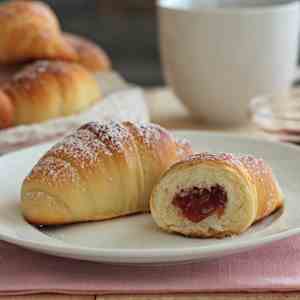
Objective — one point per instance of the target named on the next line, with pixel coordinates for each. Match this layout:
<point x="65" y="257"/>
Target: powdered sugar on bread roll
<point x="102" y="171"/>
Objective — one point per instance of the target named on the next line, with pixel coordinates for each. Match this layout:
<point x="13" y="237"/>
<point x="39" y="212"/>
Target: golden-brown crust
<point x="29" y="30"/>
<point x="268" y="191"/>
<point x="40" y="221"/>
<point x="50" y="89"/>
<point x="101" y="171"/>
<point x="89" y="54"/>
<point x="210" y="233"/>
<point x="6" y="111"/>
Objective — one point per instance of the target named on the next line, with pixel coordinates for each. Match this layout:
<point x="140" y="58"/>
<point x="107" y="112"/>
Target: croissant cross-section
<point x="215" y="195"/>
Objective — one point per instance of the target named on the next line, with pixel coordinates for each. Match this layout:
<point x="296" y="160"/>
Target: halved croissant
<point x="211" y="195"/>
<point x="49" y="89"/>
<point x="29" y="30"/>
<point x="101" y="171"/>
<point x="89" y="54"/>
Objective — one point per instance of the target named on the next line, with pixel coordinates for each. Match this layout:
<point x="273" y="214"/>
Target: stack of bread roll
<point x="44" y="72"/>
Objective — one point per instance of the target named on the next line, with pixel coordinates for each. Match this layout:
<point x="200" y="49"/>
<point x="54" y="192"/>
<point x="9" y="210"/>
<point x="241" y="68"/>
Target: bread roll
<point x="215" y="195"/>
<point x="49" y="89"/>
<point x="101" y="171"/>
<point x="89" y="54"/>
<point x="29" y="30"/>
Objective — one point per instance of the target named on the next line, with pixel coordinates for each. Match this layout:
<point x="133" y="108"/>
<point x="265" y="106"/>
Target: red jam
<point x="197" y="203"/>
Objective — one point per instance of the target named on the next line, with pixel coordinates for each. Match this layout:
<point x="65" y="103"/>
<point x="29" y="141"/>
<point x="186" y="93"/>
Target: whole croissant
<point x="215" y="195"/>
<point x="45" y="90"/>
<point x="101" y="171"/>
<point x="29" y="30"/>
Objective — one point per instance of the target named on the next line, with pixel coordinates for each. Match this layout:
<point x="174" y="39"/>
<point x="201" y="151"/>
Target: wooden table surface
<point x="166" y="110"/>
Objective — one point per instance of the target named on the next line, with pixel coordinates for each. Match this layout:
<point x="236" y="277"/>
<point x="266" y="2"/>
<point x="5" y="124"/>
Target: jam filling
<point x="196" y="203"/>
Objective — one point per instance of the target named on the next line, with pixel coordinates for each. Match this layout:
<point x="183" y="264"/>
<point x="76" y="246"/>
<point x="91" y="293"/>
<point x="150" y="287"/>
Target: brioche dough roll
<point x="212" y="195"/>
<point x="29" y="30"/>
<point x="101" y="171"/>
<point x="50" y="89"/>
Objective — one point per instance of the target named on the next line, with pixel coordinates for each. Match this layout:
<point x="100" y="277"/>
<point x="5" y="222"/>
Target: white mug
<point x="218" y="54"/>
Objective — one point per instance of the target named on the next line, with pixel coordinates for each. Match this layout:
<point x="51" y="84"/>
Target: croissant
<point x="48" y="89"/>
<point x="209" y="195"/>
<point x="29" y="30"/>
<point x="89" y="54"/>
<point x="101" y="171"/>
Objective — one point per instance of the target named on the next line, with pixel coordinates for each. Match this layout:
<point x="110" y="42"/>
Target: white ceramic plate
<point x="137" y="239"/>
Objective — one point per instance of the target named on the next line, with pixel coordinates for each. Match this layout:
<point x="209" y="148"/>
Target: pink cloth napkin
<point x="272" y="268"/>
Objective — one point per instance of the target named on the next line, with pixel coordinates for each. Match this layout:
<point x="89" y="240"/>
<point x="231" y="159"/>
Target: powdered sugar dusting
<point x="184" y="142"/>
<point x="81" y="148"/>
<point x="150" y="133"/>
<point x="183" y="149"/>
<point x="262" y="173"/>
<point x="257" y="166"/>
<point x="54" y="172"/>
<point x="112" y="135"/>
<point x="85" y="147"/>
<point x="216" y="157"/>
